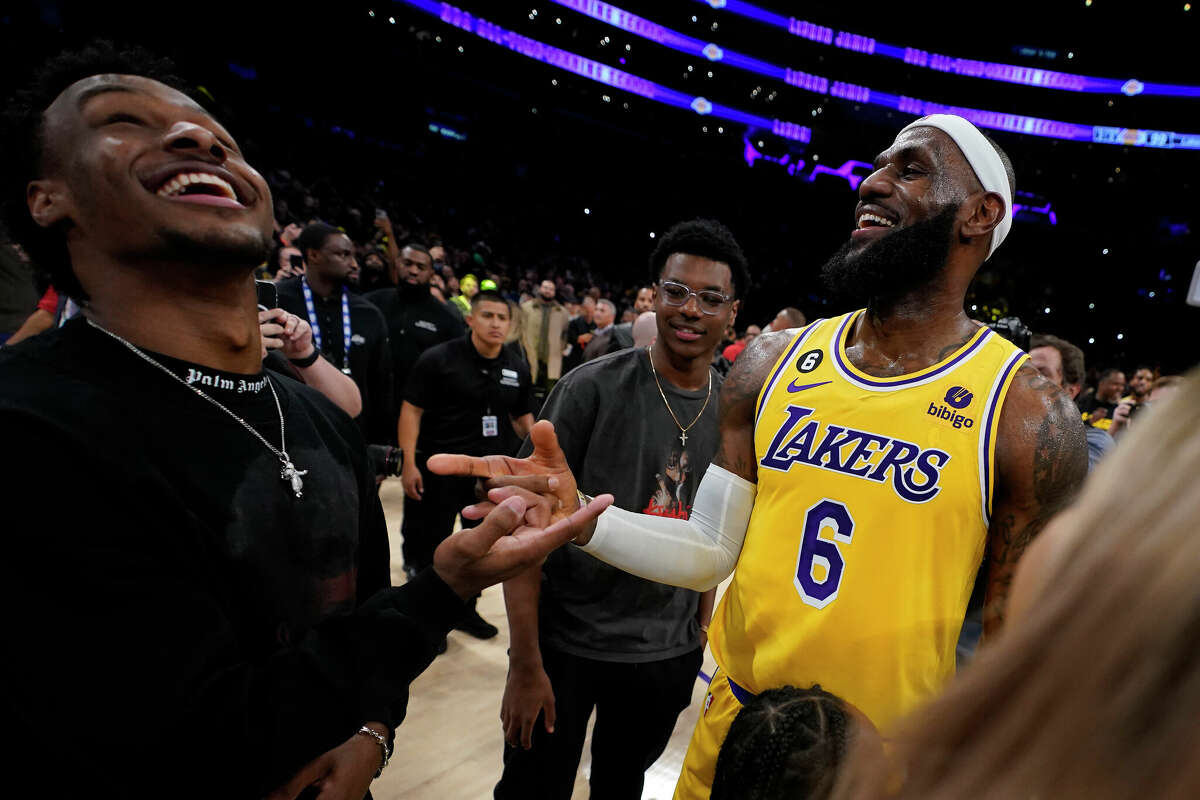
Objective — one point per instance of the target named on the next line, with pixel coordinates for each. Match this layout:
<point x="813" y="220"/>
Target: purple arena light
<point x="986" y="70"/>
<point x="853" y="172"/>
<point x="849" y="92"/>
<point x="601" y="73"/>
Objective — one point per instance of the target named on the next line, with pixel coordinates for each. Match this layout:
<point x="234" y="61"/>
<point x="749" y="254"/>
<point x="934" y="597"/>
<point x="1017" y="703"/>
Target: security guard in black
<point x="470" y="395"/>
<point x="416" y="320"/>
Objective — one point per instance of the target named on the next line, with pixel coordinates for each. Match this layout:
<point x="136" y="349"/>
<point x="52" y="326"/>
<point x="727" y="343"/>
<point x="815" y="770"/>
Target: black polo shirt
<point x="370" y="355"/>
<point x="416" y="321"/>
<point x="456" y="388"/>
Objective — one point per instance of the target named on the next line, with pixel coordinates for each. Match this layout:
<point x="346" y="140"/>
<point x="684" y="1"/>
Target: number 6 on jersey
<point x="815" y="551"/>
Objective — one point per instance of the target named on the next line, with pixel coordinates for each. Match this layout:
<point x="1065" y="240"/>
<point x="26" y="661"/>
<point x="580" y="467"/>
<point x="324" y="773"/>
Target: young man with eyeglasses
<point x="586" y="636"/>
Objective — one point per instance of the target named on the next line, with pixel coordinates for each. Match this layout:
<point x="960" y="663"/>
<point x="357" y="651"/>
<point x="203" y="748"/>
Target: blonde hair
<point x="1096" y="693"/>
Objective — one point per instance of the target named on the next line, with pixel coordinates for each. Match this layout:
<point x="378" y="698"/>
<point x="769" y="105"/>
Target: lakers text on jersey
<point x="869" y="524"/>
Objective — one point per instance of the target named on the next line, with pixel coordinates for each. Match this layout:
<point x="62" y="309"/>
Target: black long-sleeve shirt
<point x="416" y="321"/>
<point x="166" y="591"/>
<point x="370" y="353"/>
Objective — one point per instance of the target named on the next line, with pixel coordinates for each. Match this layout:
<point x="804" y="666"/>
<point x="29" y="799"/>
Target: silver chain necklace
<point x="289" y="472"/>
<point x="682" y="430"/>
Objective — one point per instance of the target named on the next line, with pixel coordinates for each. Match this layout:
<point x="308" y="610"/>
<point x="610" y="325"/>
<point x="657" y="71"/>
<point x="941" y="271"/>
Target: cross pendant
<point x="292" y="475"/>
<point x="683" y="438"/>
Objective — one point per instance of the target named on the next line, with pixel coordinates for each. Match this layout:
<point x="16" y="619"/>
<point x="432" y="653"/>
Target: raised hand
<point x="287" y="331"/>
<point x="546" y="461"/>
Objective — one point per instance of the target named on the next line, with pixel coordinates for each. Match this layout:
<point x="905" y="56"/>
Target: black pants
<point x="636" y="708"/>
<point x="430" y="520"/>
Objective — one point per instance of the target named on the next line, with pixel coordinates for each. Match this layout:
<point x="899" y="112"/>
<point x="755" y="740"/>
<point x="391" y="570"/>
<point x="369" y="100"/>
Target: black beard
<point x="901" y="262"/>
<point x="216" y="250"/>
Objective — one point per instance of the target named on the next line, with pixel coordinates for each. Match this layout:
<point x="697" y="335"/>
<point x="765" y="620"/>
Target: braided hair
<point x="785" y="743"/>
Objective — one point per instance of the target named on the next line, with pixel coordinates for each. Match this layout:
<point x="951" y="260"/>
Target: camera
<point x="385" y="460"/>
<point x="1014" y="330"/>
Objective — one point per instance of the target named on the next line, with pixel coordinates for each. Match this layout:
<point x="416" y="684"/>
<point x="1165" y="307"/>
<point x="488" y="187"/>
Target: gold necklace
<point x="682" y="430"/>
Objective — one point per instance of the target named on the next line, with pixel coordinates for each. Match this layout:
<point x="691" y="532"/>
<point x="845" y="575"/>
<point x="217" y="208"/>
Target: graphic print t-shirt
<point x="619" y="438"/>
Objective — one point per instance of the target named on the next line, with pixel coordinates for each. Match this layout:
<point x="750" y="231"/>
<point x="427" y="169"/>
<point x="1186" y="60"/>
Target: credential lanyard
<point x="316" y="326"/>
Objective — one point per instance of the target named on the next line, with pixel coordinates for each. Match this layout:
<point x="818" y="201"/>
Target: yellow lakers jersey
<point x="869" y="524"/>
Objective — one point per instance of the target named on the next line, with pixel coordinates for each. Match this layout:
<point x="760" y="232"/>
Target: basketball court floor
<point x="450" y="745"/>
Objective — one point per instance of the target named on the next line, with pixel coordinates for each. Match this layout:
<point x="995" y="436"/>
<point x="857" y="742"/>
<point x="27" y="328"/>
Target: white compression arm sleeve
<point x="697" y="553"/>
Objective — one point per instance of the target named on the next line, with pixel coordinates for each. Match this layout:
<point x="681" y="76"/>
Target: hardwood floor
<point x="450" y="745"/>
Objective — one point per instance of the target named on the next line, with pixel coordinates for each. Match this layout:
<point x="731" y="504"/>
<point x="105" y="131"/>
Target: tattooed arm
<point x="739" y="401"/>
<point x="1041" y="460"/>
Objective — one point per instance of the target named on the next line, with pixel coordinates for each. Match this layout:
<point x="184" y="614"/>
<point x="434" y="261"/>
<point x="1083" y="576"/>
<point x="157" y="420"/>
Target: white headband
<point x="982" y="157"/>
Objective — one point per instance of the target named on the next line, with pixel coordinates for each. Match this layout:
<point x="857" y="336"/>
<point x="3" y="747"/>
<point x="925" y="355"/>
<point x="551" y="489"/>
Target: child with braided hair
<point x="788" y="743"/>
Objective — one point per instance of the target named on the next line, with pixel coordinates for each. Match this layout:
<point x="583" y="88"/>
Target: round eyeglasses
<point x="677" y="294"/>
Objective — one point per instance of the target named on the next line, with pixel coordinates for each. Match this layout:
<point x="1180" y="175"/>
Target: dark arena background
<point x="561" y="135"/>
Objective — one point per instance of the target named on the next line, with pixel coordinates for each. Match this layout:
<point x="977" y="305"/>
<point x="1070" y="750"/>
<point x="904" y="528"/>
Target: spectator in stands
<point x="416" y="320"/>
<point x="787" y="318"/>
<point x="18" y="290"/>
<point x="348" y="331"/>
<point x="644" y="301"/>
<point x="1140" y="385"/>
<point x="604" y="339"/>
<point x="645" y="330"/>
<point x="791" y="744"/>
<point x="44" y="317"/>
<point x="467" y="288"/>
<point x="544" y="336"/>
<point x="1129" y="407"/>
<point x="1062" y="363"/>
<point x="287" y="261"/>
<point x="374" y="274"/>
<point x="734" y="350"/>
<point x="579" y="333"/>
<point x="1098" y="409"/>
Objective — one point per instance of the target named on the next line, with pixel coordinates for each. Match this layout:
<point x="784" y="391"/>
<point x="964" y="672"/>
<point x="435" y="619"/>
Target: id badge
<point x="490" y="426"/>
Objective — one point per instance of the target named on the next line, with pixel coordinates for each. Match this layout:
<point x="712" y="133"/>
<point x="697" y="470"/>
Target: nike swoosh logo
<point x="792" y="387"/>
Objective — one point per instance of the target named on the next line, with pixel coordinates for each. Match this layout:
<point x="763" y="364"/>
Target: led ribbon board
<point x="987" y="70"/>
<point x="854" y="172"/>
<point x="1012" y="123"/>
<point x="602" y="73"/>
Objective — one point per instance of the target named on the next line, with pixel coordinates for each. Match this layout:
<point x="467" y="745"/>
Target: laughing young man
<point x="868" y="463"/>
<point x="197" y="564"/>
